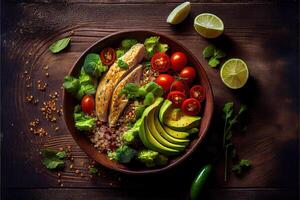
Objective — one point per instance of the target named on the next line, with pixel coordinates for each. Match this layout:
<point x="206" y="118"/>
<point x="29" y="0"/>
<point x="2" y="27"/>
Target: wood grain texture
<point x="263" y="34"/>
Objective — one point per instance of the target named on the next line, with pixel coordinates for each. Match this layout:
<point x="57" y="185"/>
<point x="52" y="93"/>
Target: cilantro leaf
<point x="51" y="160"/>
<point x="213" y="62"/>
<point x="208" y="51"/>
<point x="228" y="110"/>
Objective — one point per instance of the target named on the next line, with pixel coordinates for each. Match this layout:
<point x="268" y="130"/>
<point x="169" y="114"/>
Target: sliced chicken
<point x="118" y="103"/>
<point x="115" y="73"/>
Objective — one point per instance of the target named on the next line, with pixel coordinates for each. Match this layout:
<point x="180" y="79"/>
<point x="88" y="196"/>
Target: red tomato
<point x="160" y="62"/>
<point x="188" y="73"/>
<point x="177" y="98"/>
<point x="88" y="104"/>
<point x="108" y="56"/>
<point x="198" y="92"/>
<point x="178" y="61"/>
<point x="191" y="106"/>
<point x="165" y="81"/>
<point x="179" y="85"/>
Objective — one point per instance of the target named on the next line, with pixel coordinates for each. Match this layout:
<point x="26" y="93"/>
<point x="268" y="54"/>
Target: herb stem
<point x="225" y="163"/>
<point x="224" y="132"/>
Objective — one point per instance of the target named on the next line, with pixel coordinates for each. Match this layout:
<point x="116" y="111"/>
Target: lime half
<point x="234" y="73"/>
<point x="179" y="13"/>
<point x="208" y="25"/>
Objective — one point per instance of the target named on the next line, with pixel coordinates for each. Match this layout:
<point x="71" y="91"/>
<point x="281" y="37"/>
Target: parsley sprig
<point x="213" y="55"/>
<point x="230" y="120"/>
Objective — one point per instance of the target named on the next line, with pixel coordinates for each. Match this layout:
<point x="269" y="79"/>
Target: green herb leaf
<point x="243" y="164"/>
<point x="59" y="45"/>
<point x="218" y="53"/>
<point x="122" y="64"/>
<point x="208" y="51"/>
<point x="83" y="122"/>
<point x="128" y="43"/>
<point x="51" y="160"/>
<point x="133" y="91"/>
<point x="93" y="170"/>
<point x="213" y="62"/>
<point x="120" y="53"/>
<point x="71" y="84"/>
<point x="228" y="110"/>
<point x="162" y="47"/>
<point x="61" y="154"/>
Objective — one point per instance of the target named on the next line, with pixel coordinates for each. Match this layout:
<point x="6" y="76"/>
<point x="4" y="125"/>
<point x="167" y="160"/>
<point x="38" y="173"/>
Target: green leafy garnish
<point x="71" y="84"/>
<point x="93" y="65"/>
<point x="122" y="64"/>
<point x="93" y="170"/>
<point x="152" y="46"/>
<point x="126" y="44"/>
<point x="133" y="91"/>
<point x="120" y="53"/>
<point x="61" y="154"/>
<point x="242" y="164"/>
<point x="213" y="54"/>
<point x="230" y="120"/>
<point x="59" y="45"/>
<point x="83" y="122"/>
<point x="53" y="159"/>
<point x="124" y="154"/>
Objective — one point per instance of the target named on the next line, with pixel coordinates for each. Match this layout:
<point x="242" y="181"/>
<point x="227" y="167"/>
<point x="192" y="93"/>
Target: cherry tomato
<point x="177" y="98"/>
<point x="191" y="106"/>
<point x="108" y="56"/>
<point x="188" y="73"/>
<point x="160" y="62"/>
<point x="198" y="92"/>
<point x="165" y="81"/>
<point x="88" y="104"/>
<point x="178" y="61"/>
<point x="179" y="85"/>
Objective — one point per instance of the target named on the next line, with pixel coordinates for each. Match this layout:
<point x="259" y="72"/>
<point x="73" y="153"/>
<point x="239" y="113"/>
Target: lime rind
<point x="179" y="13"/>
<point x="234" y="73"/>
<point x="208" y="25"/>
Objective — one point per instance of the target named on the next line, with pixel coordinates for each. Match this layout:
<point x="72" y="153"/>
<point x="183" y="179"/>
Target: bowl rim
<point x="181" y="157"/>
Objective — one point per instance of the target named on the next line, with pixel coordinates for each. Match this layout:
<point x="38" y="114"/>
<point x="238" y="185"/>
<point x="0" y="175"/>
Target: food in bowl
<point x="138" y="103"/>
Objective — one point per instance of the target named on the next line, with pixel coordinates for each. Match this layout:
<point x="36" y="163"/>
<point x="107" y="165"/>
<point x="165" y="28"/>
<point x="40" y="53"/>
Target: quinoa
<point x="107" y="138"/>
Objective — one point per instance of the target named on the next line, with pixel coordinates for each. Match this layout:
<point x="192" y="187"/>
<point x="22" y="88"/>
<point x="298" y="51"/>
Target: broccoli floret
<point x="124" y="154"/>
<point x="132" y="135"/>
<point x="151" y="158"/>
<point x="93" y="65"/>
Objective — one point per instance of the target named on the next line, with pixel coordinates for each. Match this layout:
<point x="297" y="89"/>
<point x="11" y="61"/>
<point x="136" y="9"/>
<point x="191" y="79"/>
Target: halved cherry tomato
<point x="177" y="98"/>
<point x="165" y="81"/>
<point x="178" y="61"/>
<point x="198" y="92"/>
<point x="191" y="106"/>
<point x="88" y="104"/>
<point x="160" y="62"/>
<point x="188" y="73"/>
<point x="108" y="56"/>
<point x="179" y="85"/>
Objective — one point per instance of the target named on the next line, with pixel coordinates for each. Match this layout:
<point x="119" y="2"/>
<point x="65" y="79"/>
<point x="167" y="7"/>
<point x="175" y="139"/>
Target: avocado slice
<point x="168" y="136"/>
<point x="146" y="137"/>
<point x="175" y="119"/>
<point x="176" y="134"/>
<point x="157" y="135"/>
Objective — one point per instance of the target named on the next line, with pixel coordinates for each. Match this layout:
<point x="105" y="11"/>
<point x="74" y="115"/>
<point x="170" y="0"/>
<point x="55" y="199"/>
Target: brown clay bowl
<point x="83" y="141"/>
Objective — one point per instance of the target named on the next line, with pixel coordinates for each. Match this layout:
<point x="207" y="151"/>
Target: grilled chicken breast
<point x="108" y="82"/>
<point x="118" y="103"/>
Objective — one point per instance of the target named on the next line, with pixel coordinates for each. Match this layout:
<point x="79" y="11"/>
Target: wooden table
<point x="262" y="32"/>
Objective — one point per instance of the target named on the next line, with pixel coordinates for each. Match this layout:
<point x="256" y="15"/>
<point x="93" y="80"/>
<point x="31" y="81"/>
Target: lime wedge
<point x="208" y="25"/>
<point x="179" y="13"/>
<point x="234" y="73"/>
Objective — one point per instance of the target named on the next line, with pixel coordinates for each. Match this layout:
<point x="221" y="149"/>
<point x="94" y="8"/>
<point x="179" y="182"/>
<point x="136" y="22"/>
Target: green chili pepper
<point x="199" y="182"/>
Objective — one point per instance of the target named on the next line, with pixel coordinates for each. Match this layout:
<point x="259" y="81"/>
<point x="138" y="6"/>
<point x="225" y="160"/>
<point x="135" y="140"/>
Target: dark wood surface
<point x="263" y="33"/>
